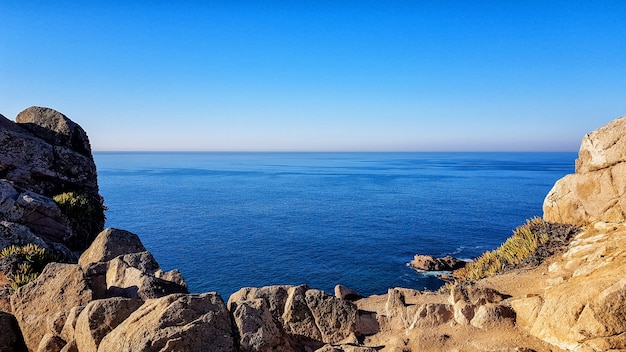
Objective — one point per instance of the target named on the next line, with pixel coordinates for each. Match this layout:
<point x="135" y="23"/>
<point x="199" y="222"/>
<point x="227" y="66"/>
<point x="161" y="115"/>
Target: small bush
<point x="86" y="216"/>
<point x="25" y="263"/>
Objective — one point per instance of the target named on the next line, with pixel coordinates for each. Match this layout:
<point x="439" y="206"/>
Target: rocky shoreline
<point x="101" y="290"/>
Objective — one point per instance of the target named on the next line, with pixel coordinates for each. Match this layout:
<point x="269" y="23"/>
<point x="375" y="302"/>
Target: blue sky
<point x="319" y="75"/>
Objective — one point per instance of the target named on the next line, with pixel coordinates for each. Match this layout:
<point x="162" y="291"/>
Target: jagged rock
<point x="346" y="293"/>
<point x="99" y="318"/>
<point x="58" y="288"/>
<point x="109" y="244"/>
<point x="176" y="322"/>
<point x="50" y="343"/>
<point x="335" y="318"/>
<point x="603" y="148"/>
<point x="429" y="263"/>
<point x="11" y="339"/>
<point x="291" y="318"/>
<point x="298" y="319"/>
<point x="118" y="265"/>
<point x="596" y="192"/>
<point x="256" y="326"/>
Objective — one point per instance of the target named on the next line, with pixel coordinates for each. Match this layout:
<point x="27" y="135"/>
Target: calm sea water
<point x="230" y="220"/>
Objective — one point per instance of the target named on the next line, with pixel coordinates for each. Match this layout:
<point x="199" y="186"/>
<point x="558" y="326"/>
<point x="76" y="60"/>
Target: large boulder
<point x="596" y="192"/>
<point x="58" y="288"/>
<point x="176" y="322"/>
<point x="55" y="128"/>
<point x="47" y="153"/>
<point x="99" y="318"/>
<point x="109" y="244"/>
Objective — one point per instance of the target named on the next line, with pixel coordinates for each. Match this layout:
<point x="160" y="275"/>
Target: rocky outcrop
<point x="596" y="192"/>
<point x="43" y="155"/>
<point x="430" y="263"/>
<point x="74" y="306"/>
<point x="582" y="304"/>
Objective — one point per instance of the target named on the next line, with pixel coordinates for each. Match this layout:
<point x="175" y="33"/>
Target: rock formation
<point x="596" y="192"/>
<point x="430" y="263"/>
<point x="44" y="155"/>
<point x="117" y="298"/>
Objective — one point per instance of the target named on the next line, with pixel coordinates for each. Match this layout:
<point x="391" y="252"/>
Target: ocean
<point x="231" y="220"/>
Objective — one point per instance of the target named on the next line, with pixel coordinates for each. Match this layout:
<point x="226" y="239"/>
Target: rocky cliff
<point x="42" y="156"/>
<point x="115" y="297"/>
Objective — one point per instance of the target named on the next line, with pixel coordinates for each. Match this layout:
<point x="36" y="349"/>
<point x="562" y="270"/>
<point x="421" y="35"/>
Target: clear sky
<point x="319" y="75"/>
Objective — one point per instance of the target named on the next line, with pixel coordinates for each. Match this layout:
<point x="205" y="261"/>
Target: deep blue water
<point x="230" y="220"/>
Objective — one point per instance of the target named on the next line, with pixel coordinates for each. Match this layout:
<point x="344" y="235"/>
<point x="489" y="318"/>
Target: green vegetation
<point x="76" y="206"/>
<point x="86" y="215"/>
<point x="522" y="245"/>
<point x="29" y="261"/>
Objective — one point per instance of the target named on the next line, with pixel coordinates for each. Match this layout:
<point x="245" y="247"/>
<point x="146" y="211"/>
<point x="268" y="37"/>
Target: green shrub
<point x="31" y="258"/>
<point x="523" y="244"/>
<point x="86" y="216"/>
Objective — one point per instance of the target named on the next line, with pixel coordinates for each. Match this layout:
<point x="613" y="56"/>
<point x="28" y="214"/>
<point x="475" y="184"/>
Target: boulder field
<point x="109" y="294"/>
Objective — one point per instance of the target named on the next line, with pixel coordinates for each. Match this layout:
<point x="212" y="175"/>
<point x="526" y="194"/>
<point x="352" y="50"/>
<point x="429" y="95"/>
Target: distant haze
<point x="319" y="75"/>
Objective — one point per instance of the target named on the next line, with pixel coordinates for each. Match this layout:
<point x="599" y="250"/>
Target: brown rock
<point x="125" y="280"/>
<point x="50" y="343"/>
<point x="11" y="339"/>
<point x="256" y="326"/>
<point x="291" y="318"/>
<point x="174" y="323"/>
<point x="596" y="191"/>
<point x="57" y="289"/>
<point x="109" y="244"/>
<point x="99" y="318"/>
<point x="67" y="332"/>
<point x="429" y="263"/>
<point x="582" y="306"/>
<point x="346" y="293"/>
<point x="490" y="315"/>
<point x="468" y="298"/>
<point x="603" y="148"/>
<point x="335" y="318"/>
